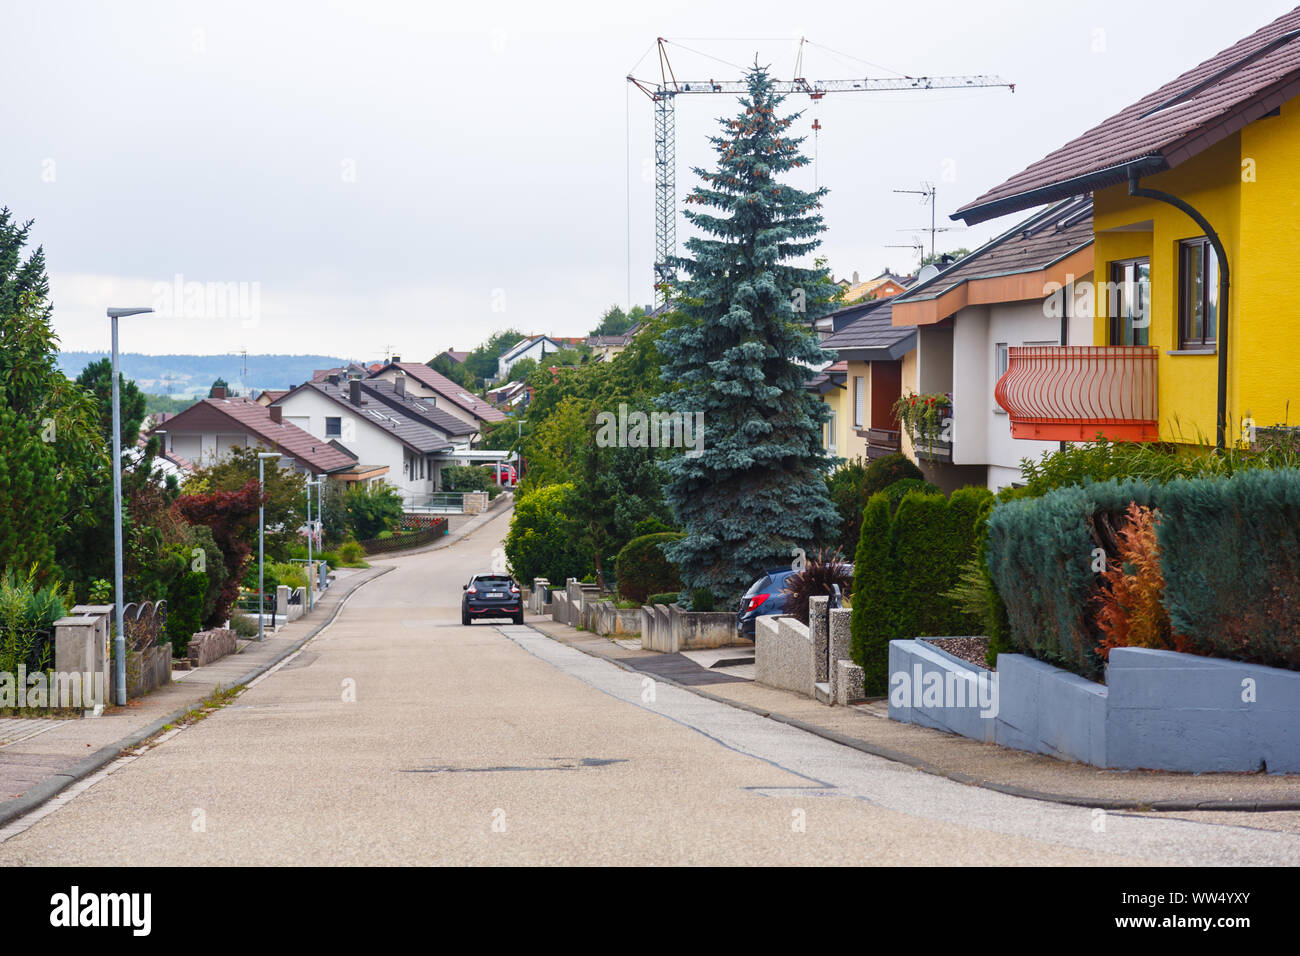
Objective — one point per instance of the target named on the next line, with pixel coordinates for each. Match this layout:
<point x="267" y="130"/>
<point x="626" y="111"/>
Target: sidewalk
<point x="497" y="507"/>
<point x="867" y="727"/>
<point x="39" y="758"/>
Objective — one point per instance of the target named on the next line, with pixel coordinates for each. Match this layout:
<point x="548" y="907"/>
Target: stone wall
<point x="783" y="654"/>
<point x="209" y="646"/>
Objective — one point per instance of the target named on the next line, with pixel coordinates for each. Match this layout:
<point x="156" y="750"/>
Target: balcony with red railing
<point x="1072" y="392"/>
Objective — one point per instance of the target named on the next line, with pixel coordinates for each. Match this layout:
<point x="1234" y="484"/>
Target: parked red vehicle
<point x="503" y="474"/>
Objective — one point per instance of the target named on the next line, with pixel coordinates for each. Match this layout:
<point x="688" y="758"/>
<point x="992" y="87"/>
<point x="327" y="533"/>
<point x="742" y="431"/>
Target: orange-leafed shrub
<point x="1130" y="612"/>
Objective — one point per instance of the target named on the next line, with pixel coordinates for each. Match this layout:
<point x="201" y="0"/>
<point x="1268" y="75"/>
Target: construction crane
<point x="664" y="93"/>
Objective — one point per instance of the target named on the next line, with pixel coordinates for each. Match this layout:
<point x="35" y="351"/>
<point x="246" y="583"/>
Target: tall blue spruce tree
<point x="740" y="355"/>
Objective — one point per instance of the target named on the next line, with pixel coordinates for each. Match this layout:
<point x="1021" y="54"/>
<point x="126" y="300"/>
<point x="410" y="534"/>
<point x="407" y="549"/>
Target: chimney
<point x="354" y="391"/>
<point x="277" y="414"/>
<point x="396" y="359"/>
<point x="218" y="391"/>
<point x="399" y="385"/>
<point x="334" y="378"/>
<point x="855" y="276"/>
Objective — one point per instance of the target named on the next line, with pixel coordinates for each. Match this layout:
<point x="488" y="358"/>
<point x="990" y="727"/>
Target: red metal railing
<point x="1072" y="392"/>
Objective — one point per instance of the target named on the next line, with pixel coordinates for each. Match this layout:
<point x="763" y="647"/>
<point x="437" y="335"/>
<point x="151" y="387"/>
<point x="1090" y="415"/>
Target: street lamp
<point x="262" y="456"/>
<point x="310" y="589"/>
<point x="119" y="643"/>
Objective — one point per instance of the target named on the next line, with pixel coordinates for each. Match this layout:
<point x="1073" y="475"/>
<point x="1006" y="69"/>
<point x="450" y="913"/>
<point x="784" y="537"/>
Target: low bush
<point x="641" y="568"/>
<point x="290" y="575"/>
<point x="244" y="625"/>
<point x="702" y="600"/>
<point x="666" y="597"/>
<point x="350" y="553"/>
<point x="852" y="484"/>
<point x="819" y="576"/>
<point x="1228" y="551"/>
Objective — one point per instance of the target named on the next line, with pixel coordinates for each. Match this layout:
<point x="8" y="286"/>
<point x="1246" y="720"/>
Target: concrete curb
<point x="1167" y="806"/>
<point x="53" y="785"/>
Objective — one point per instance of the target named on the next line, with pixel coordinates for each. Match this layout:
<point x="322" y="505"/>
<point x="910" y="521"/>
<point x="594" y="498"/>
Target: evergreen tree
<point x="740" y="355"/>
<point x="49" y="446"/>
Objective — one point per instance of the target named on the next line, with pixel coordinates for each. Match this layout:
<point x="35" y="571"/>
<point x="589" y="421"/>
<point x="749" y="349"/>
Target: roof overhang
<point x="879" y="353"/>
<point x="475" y="454"/>
<point x="1024" y="286"/>
<point x="1063" y="189"/>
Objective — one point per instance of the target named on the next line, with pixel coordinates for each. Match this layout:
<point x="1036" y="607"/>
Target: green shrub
<point x="899" y="490"/>
<point x="541" y="542"/>
<point x="853" y="483"/>
<point x="350" y="552"/>
<point x="290" y="575"/>
<point x="370" y="510"/>
<point x="28" y="611"/>
<point x="666" y="597"/>
<point x="883" y="472"/>
<point x="244" y="625"/>
<point x="907" y="564"/>
<point x="701" y="599"/>
<point x="641" y="568"/>
<point x="1043" y="559"/>
<point x="185" y="607"/>
<point x="651" y="525"/>
<point x="1230" y="552"/>
<point x="466" y="478"/>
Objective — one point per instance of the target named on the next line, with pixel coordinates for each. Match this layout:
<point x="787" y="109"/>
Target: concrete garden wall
<point x="793" y="657"/>
<point x="1159" y="710"/>
<point x="669" y="629"/>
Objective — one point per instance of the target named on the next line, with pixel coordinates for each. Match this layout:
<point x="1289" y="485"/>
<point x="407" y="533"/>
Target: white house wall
<point x="371" y="444"/>
<point x="982" y="430"/>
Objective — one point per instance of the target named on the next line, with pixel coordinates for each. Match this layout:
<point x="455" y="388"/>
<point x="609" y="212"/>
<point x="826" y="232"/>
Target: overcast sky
<point x="416" y="176"/>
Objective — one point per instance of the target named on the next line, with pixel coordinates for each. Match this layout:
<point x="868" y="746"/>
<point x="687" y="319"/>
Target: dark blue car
<point x="767" y="596"/>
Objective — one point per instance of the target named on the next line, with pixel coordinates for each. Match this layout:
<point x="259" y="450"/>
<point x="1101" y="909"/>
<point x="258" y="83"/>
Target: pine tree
<point x="740" y="354"/>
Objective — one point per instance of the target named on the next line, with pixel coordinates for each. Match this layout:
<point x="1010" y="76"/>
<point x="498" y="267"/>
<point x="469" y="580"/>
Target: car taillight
<point x="472" y="590"/>
<point x="514" y="589"/>
<point x="755" y="601"/>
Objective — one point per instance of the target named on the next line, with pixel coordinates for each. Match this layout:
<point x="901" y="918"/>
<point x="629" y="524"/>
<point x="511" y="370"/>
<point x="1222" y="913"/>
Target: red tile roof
<point x="1181" y="119"/>
<point x="317" y="455"/>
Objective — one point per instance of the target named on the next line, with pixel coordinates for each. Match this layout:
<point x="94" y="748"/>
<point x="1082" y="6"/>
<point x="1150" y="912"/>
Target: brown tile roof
<point x="448" y="389"/>
<point x="1029" y="246"/>
<point x="1184" y="117"/>
<point x="255" y="419"/>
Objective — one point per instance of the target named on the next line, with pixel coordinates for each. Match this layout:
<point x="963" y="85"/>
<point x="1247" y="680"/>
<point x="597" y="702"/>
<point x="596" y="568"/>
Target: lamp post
<point x="119" y="642"/>
<point x="262" y="456"/>
<point x="310" y="566"/>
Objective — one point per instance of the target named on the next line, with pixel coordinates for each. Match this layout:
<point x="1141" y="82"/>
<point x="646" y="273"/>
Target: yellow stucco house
<point x="1196" y="220"/>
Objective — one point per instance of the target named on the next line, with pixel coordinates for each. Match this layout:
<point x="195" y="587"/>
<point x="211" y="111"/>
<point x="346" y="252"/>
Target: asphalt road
<point x="397" y="736"/>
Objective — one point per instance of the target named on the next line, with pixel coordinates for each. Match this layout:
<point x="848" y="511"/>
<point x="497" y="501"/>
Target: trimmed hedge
<point x="667" y="597"/>
<point x="641" y="568"/>
<point x="905" y="564"/>
<point x="1230" y="553"/>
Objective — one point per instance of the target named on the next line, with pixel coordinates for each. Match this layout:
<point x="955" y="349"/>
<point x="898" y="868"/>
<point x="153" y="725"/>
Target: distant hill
<point x="192" y="375"/>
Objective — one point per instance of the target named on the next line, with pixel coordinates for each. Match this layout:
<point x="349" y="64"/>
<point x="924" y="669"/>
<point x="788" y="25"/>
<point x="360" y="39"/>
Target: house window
<point x="830" y="433"/>
<point x="859" y="401"/>
<point x="1130" y="302"/>
<point x="1198" y="295"/>
<point x="333" y="427"/>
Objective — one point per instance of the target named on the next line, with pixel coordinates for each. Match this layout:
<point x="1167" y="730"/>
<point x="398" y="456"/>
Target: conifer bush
<point x="907" y="563"/>
<point x="642" y="569"/>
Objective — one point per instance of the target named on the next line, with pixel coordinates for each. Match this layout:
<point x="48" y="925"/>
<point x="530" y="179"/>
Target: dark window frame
<point x="336" y="433"/>
<point x="1209" y="290"/>
<point x="1117" y="270"/>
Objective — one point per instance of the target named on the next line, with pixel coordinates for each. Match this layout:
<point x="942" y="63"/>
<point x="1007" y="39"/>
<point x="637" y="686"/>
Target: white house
<point x="424" y="383"/>
<point x="351" y="417"/>
<point x="1015" y="290"/>
<point x="536" y="347"/>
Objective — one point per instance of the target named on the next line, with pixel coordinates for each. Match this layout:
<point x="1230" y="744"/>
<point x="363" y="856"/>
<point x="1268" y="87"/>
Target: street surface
<point x="398" y="736"/>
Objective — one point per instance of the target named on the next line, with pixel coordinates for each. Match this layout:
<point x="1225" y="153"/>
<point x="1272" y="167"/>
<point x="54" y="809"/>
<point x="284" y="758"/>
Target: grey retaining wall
<point x="1159" y="710"/>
